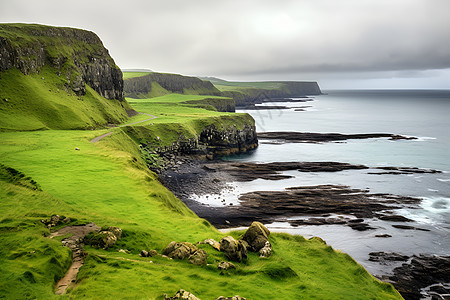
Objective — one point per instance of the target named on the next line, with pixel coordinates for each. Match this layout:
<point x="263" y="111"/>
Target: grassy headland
<point x="56" y="171"/>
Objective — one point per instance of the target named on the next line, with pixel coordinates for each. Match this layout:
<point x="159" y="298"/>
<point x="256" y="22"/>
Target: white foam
<point x="424" y="138"/>
<point x="443" y="179"/>
<point x="436" y="205"/>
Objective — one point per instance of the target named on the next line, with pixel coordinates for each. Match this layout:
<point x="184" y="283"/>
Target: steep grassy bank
<point x="54" y="77"/>
<point x="118" y="190"/>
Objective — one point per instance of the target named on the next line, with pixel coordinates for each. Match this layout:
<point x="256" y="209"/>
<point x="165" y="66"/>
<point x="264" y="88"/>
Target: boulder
<point x="256" y="236"/>
<point x="102" y="239"/>
<point x="213" y="243"/>
<point x="265" y="251"/>
<point x="181" y="294"/>
<point x="144" y="253"/>
<point x="198" y="258"/>
<point x="116" y="230"/>
<point x="152" y="253"/>
<point x="225" y="265"/>
<point x="237" y="297"/>
<point x="179" y="250"/>
<point x="234" y="250"/>
<point x="185" y="250"/>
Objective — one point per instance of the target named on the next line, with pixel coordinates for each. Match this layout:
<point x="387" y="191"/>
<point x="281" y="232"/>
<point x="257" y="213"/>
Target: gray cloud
<point x="259" y="39"/>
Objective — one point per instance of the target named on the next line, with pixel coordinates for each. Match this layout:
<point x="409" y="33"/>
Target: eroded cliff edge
<point x="78" y="55"/>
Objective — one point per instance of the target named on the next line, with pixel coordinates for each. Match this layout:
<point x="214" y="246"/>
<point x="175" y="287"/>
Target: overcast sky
<point x="339" y="43"/>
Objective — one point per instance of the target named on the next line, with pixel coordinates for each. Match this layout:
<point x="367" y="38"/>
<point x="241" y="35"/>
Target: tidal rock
<point x="182" y="294"/>
<point x="265" y="251"/>
<point x="234" y="250"/>
<point x="225" y="265"/>
<point x="198" y="257"/>
<point x="256" y="236"/>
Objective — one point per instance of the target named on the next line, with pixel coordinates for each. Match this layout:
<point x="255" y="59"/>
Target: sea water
<point x="424" y="114"/>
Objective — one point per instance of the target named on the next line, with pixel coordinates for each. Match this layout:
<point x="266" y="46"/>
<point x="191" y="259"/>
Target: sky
<point x="362" y="44"/>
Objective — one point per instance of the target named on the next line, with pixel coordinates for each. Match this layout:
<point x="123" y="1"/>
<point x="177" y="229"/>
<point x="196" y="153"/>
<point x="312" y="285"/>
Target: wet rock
<point x="235" y="250"/>
<point x="407" y="227"/>
<point x="256" y="236"/>
<point x="383" y="235"/>
<point x="265" y="251"/>
<point x="386" y="258"/>
<point x="198" y="257"/>
<point x="225" y="265"/>
<point x="421" y="272"/>
<point x="182" y="294"/>
<point x="395" y="218"/>
<point x="312" y="137"/>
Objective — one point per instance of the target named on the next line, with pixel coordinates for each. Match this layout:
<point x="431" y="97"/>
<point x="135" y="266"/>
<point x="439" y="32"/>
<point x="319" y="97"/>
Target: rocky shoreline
<point x="310" y="205"/>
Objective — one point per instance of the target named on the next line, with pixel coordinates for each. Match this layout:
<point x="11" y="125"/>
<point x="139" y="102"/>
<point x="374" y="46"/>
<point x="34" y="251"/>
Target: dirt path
<point x="74" y="243"/>
<point x="95" y="140"/>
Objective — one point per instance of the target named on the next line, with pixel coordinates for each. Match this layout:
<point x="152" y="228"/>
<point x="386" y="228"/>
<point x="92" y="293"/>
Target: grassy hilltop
<point x="108" y="182"/>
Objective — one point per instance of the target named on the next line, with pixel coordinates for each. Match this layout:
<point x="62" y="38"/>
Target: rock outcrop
<point x="75" y="54"/>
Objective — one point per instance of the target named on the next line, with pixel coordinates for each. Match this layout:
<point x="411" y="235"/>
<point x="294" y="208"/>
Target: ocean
<point x="424" y="114"/>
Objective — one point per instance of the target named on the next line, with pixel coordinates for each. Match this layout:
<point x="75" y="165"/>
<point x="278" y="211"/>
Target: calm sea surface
<point x="420" y="113"/>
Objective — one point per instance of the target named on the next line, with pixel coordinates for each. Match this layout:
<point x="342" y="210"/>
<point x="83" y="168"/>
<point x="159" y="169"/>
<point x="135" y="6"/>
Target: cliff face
<point x="141" y="87"/>
<point x="77" y="55"/>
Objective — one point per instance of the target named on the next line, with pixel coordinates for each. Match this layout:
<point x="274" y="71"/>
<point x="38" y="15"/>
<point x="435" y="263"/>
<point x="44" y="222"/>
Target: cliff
<point x="158" y="84"/>
<point x="53" y="63"/>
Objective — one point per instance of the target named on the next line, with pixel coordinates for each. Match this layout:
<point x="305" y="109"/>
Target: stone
<point x="236" y="297"/>
<point x="152" y="253"/>
<point x="225" y="265"/>
<point x="256" y="236"/>
<point x="266" y="251"/>
<point x="234" y="250"/>
<point x="102" y="239"/>
<point x="198" y="257"/>
<point x="181" y="294"/>
<point x="212" y="242"/>
<point x="116" y="230"/>
<point x="144" y="253"/>
<point x="77" y="148"/>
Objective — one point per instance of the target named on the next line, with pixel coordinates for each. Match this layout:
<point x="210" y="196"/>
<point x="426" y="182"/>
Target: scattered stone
<point x="144" y="253"/>
<point x="77" y="148"/>
<point x="103" y="239"/>
<point x="152" y="253"/>
<point x="256" y="236"/>
<point x="234" y="250"/>
<point x="212" y="242"/>
<point x="116" y="230"/>
<point x="186" y="250"/>
<point x="265" y="251"/>
<point x="198" y="258"/>
<point x="225" y="265"/>
<point x="237" y="297"/>
<point x="181" y="294"/>
<point x="124" y="251"/>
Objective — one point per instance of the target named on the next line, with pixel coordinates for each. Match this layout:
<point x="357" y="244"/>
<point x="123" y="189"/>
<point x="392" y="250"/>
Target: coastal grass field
<point x="108" y="183"/>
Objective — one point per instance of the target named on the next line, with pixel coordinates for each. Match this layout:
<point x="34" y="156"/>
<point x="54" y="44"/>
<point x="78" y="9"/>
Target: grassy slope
<point x="127" y="75"/>
<point x="40" y="101"/>
<point x="107" y="183"/>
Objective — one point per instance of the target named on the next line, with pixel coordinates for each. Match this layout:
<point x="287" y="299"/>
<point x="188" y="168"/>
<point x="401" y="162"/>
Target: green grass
<point x="108" y="184"/>
<point x="127" y="75"/>
<point x="41" y="101"/>
<point x="234" y="85"/>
